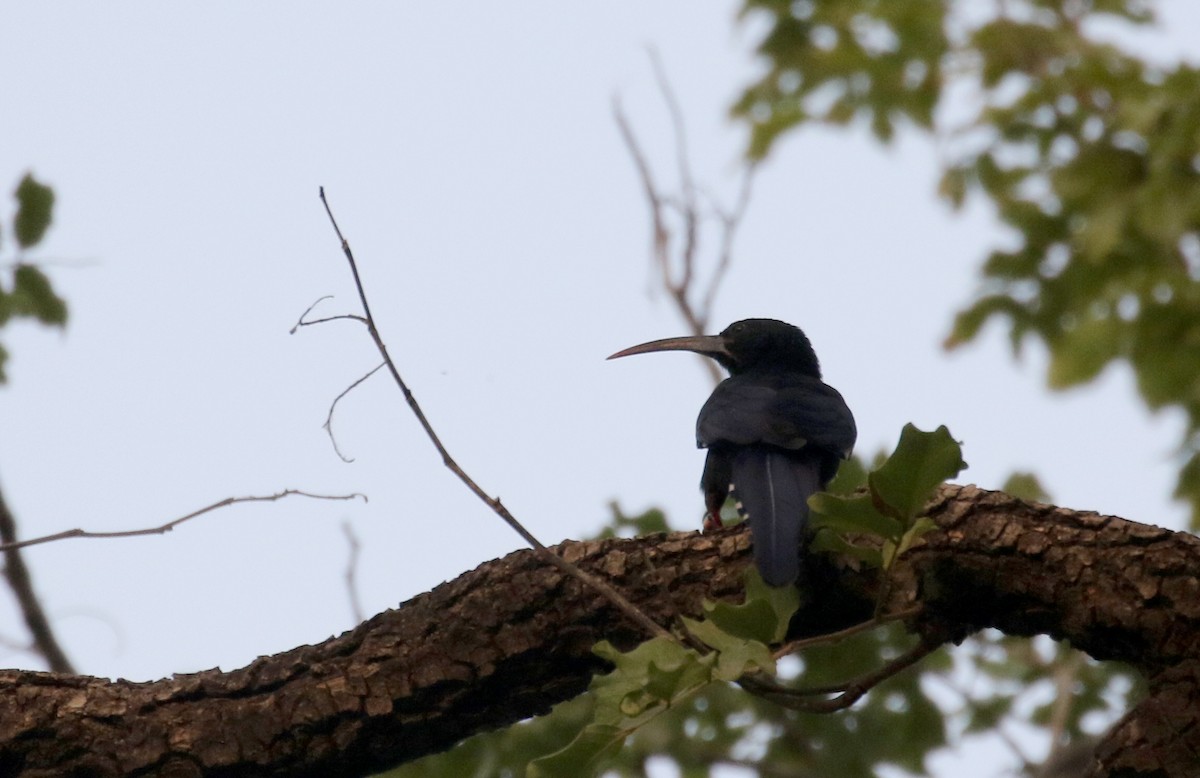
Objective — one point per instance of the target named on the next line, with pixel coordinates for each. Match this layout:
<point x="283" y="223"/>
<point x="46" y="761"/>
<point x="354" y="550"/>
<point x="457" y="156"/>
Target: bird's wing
<point x="787" y="411"/>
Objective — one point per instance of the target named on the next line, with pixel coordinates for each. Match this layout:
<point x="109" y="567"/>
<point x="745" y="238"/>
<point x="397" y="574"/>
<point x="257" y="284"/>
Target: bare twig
<point x="680" y="271"/>
<point x="850" y="692"/>
<point x="696" y="321"/>
<point x="730" y="222"/>
<point x="302" y="322"/>
<point x="687" y="208"/>
<point x="352" y="572"/>
<point x="1064" y="674"/>
<point x="328" y="425"/>
<point x="19" y="580"/>
<point x="611" y="594"/>
<point x="661" y="236"/>
<point x="170" y="525"/>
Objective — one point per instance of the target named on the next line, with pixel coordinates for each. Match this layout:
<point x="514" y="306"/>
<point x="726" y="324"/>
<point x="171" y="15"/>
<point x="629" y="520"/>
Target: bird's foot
<point x="712" y="520"/>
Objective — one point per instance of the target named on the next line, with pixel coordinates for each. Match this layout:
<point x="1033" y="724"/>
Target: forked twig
<point x="611" y="594"/>
<point x="302" y="322"/>
<point x="170" y="525"/>
<point x="679" y="269"/>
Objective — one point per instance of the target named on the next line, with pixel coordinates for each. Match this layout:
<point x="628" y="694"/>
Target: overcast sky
<point x="471" y="157"/>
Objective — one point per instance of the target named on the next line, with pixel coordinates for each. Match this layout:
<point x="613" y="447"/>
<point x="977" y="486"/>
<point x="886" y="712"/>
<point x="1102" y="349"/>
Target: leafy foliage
<point x="840" y="60"/>
<point x="1026" y="486"/>
<point x="1001" y="681"/>
<point x="30" y="294"/>
<point x="894" y="499"/>
<point x="621" y="524"/>
<point x="662" y="673"/>
<point x="1089" y="154"/>
<point x="35" y="204"/>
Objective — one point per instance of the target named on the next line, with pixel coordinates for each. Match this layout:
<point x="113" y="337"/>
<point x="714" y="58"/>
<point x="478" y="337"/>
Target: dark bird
<point x="775" y="434"/>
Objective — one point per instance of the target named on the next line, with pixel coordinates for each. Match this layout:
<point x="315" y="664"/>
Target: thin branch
<point x="678" y="290"/>
<point x="851" y="691"/>
<point x="615" y="597"/>
<point x="688" y="210"/>
<point x="840" y="635"/>
<point x="352" y="572"/>
<point x="730" y="221"/>
<point x="661" y="235"/>
<point x="302" y="322"/>
<point x="170" y="525"/>
<point x="340" y="316"/>
<point x="1065" y="673"/>
<point x="328" y="425"/>
<point x="680" y="270"/>
<point x="19" y="580"/>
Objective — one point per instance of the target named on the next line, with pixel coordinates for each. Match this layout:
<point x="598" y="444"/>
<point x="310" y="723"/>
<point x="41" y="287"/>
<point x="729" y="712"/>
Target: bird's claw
<point x="712" y="521"/>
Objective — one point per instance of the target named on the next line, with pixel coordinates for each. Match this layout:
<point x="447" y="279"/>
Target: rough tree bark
<point x="511" y="638"/>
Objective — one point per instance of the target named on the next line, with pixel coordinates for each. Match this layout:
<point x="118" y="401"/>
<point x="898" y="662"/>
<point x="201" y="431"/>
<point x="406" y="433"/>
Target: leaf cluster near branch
<point x="29" y="294"/>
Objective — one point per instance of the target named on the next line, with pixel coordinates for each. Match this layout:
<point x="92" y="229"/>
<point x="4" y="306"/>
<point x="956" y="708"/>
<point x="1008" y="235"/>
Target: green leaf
<point x="1080" y="354"/>
<point x="754" y="620"/>
<point x="35" y="205"/>
<point x="851" y="514"/>
<point x="851" y="475"/>
<point x="1025" y="486"/>
<point x="622" y="524"/>
<point x="765" y="614"/>
<point x="582" y="756"/>
<point x="919" y="528"/>
<point x="922" y="462"/>
<point x="953" y="185"/>
<point x="32" y="295"/>
<point x="888" y="553"/>
<point x="734" y="656"/>
<point x="645" y="679"/>
<point x="831" y="542"/>
<point x="968" y="323"/>
<point x="986" y="714"/>
<point x="1188" y="487"/>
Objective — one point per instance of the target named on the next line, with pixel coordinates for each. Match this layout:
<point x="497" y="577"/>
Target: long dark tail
<point x="772" y="488"/>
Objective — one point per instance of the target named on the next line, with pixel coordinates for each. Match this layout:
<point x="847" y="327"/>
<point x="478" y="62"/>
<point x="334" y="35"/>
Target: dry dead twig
<point x="609" y="593"/>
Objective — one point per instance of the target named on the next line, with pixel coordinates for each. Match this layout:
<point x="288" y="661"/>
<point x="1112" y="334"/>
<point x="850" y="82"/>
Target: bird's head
<point x="744" y="346"/>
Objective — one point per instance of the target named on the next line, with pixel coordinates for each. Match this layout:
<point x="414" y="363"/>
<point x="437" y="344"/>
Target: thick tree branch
<point x="513" y="637"/>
